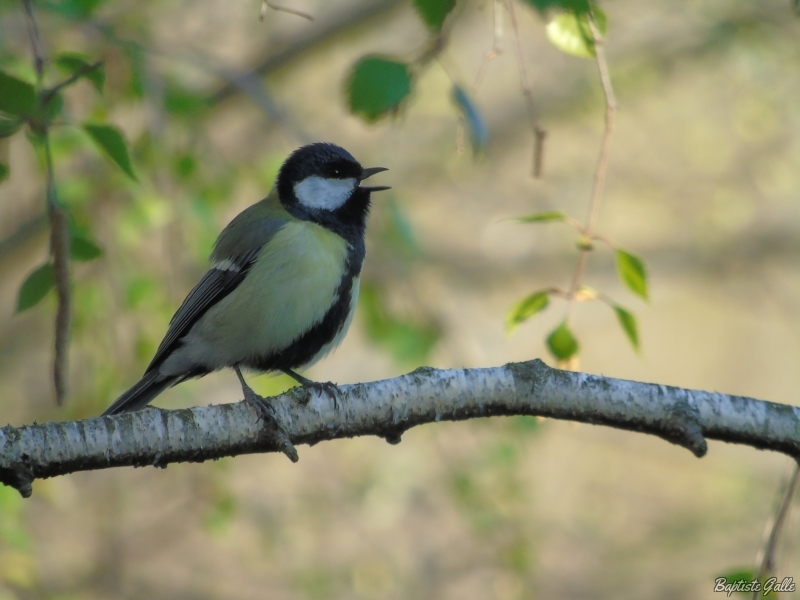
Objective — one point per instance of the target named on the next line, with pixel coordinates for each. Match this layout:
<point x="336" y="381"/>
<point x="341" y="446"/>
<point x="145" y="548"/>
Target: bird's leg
<point x="267" y="415"/>
<point x="328" y="387"/>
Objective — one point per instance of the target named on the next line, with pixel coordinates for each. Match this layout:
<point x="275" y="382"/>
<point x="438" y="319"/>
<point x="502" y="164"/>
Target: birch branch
<point x="387" y="408"/>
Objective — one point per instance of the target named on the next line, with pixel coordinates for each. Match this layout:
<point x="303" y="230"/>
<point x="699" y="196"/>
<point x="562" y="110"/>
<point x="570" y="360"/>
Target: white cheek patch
<point x="327" y="194"/>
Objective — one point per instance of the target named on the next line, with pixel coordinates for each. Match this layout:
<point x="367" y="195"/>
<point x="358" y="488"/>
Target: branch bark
<point x="387" y="408"/>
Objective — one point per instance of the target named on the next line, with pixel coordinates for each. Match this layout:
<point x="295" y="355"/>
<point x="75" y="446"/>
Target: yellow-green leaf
<point x="628" y="323"/>
<point x="562" y="343"/>
<point x="570" y="32"/>
<point x="632" y="273"/>
<point x="35" y="287"/>
<point x="110" y="139"/>
<point x="526" y="308"/>
<point x="545" y="217"/>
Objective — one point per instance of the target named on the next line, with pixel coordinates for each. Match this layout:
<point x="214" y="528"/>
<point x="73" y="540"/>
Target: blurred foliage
<point x="408" y="342"/>
<point x="434" y="12"/>
<point x="378" y="86"/>
<point x="148" y="177"/>
<point x="570" y="32"/>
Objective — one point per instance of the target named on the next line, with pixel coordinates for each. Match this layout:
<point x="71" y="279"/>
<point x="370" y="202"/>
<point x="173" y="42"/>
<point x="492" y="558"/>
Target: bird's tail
<point x="141" y="394"/>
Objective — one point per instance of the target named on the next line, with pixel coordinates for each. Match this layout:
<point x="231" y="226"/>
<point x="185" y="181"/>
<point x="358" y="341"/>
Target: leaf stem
<point x="602" y="160"/>
<point x="539" y="133"/>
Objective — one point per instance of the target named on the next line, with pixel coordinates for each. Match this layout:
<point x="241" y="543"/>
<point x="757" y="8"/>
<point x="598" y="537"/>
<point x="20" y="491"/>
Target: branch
<point x="388" y="408"/>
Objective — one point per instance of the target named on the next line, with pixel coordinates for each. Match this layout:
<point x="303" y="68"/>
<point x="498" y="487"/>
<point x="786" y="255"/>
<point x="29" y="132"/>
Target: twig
<point x="83" y="70"/>
<point x="602" y="160"/>
<point x="495" y="50"/>
<point x="767" y="566"/>
<point x="59" y="227"/>
<point x="36" y="43"/>
<point x="539" y="133"/>
<point x="273" y="6"/>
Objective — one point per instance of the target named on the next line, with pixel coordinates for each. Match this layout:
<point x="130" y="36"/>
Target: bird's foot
<point x="267" y="415"/>
<point x="327" y="387"/>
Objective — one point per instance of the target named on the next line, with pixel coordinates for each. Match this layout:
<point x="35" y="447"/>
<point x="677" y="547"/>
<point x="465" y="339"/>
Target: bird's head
<point x="322" y="182"/>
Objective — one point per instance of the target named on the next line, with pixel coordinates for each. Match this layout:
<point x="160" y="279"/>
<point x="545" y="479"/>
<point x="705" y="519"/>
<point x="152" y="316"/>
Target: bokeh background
<point x="703" y="185"/>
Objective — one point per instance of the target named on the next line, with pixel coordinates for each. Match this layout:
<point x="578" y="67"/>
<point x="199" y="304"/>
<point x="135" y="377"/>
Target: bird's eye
<point x="336" y="172"/>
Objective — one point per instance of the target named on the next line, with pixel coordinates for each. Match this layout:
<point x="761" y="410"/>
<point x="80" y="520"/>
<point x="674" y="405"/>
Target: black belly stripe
<point x="303" y="349"/>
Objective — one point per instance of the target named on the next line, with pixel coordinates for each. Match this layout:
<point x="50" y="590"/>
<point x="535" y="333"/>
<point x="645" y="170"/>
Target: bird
<point x="283" y="285"/>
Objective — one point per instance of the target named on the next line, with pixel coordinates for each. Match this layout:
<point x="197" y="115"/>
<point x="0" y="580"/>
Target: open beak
<point x="369" y="172"/>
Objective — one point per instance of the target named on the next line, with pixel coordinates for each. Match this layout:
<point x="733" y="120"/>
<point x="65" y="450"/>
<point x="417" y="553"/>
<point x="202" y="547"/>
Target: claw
<point x="267" y="415"/>
<point x="328" y="387"/>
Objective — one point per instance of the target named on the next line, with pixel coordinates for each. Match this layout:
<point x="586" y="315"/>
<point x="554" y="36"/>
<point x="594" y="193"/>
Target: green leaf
<point x="476" y="127"/>
<point x="570" y="32"/>
<point x="9" y="127"/>
<point x="545" y="217"/>
<point x="628" y="323"/>
<point x="377" y="86"/>
<point x="83" y="249"/>
<point x="579" y="6"/>
<point x="526" y="308"/>
<point x="17" y="97"/>
<point x="73" y="62"/>
<point x="3" y="172"/>
<point x="110" y="139"/>
<point x="74" y="9"/>
<point x="53" y="108"/>
<point x="562" y="343"/>
<point x="737" y="575"/>
<point x="35" y="287"/>
<point x="434" y="12"/>
<point x="632" y="273"/>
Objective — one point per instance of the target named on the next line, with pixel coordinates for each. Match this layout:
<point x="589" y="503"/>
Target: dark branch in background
<point x="602" y="163"/>
<point x="274" y="6"/>
<point x="59" y="226"/>
<point x="339" y="24"/>
<point x="767" y="566"/>
<point x="539" y="133"/>
<point x="59" y="249"/>
<point x="82" y="71"/>
<point x="389" y="408"/>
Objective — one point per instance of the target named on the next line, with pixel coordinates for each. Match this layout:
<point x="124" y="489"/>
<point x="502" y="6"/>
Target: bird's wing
<point x="218" y="282"/>
<point x="237" y="248"/>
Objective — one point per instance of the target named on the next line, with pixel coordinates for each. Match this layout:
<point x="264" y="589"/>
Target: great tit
<point x="284" y="282"/>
